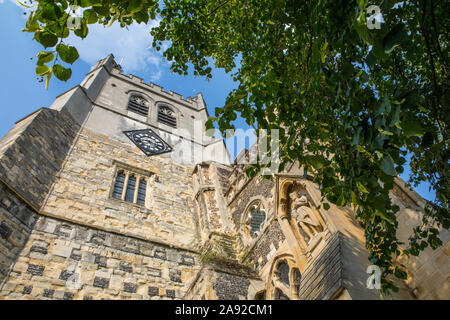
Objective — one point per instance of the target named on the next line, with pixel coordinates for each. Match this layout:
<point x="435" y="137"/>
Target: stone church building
<point x="97" y="202"/>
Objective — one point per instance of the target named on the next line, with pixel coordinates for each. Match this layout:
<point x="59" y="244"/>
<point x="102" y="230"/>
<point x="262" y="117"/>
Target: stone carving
<point x="167" y="111"/>
<point x="305" y="218"/>
<point x="138" y="100"/>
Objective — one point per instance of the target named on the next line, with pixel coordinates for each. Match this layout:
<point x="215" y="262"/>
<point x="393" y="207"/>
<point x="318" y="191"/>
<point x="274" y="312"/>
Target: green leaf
<point x="316" y="161"/>
<point x="46" y="38"/>
<point x="32" y="22"/>
<point x="326" y="206"/>
<point x="387" y="164"/>
<point x="50" y="11"/>
<point x="82" y="32"/>
<point x="135" y="6"/>
<point x="382" y="215"/>
<point x="44" y="57"/>
<point x="100" y="10"/>
<point x="85" y="3"/>
<point x="378" y="51"/>
<point x="371" y="59"/>
<point x="361" y="187"/>
<point x="341" y="201"/>
<point x="42" y="70"/>
<point x="396" y="117"/>
<point x="412" y="128"/>
<point x="354" y="199"/>
<point x="67" y="53"/>
<point x="90" y="16"/>
<point x="361" y="29"/>
<point x="62" y="73"/>
<point x="355" y="140"/>
<point x="394" y="38"/>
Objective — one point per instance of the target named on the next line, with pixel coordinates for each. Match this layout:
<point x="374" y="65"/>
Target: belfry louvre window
<point x="138" y="104"/>
<point x="130" y="187"/>
<point x="167" y="116"/>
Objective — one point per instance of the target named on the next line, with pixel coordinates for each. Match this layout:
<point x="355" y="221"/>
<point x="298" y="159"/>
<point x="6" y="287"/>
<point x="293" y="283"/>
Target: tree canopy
<point x="352" y="102"/>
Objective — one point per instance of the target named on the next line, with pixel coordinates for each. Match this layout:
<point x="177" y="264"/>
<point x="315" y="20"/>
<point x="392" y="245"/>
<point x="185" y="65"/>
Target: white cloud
<point x="131" y="48"/>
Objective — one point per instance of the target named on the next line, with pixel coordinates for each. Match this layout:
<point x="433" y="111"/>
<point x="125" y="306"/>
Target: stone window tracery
<point x="284" y="280"/>
<point x="138" y="105"/>
<point x="167" y="116"/>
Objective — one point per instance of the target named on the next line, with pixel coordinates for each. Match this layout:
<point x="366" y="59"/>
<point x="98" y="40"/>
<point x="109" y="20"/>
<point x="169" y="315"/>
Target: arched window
<point x="129" y="195"/>
<point x="141" y="192"/>
<point x="118" y="185"/>
<point x="138" y="104"/>
<point x="282" y="272"/>
<point x="284" y="282"/>
<point x="167" y="116"/>
<point x="255" y="217"/>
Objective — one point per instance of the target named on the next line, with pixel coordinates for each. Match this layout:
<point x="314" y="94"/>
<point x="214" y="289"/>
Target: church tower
<point x="117" y="192"/>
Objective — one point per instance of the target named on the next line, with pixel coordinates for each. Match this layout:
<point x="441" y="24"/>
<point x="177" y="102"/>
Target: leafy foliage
<point x="53" y="21"/>
<point x="352" y="102"/>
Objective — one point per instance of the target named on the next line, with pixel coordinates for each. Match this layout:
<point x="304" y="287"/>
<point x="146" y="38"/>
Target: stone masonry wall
<point x="256" y="187"/>
<point x="428" y="274"/>
<point x="82" y="193"/>
<point x="67" y="261"/>
<point x="323" y="276"/>
<point x="16" y="222"/>
<point x="33" y="152"/>
<point x="266" y="246"/>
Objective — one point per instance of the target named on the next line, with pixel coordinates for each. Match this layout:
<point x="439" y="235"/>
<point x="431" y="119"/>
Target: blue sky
<point x="22" y="94"/>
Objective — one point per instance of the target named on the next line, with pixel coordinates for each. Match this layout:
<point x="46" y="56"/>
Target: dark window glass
<point x="118" y="186"/>
<point x="129" y="194"/>
<point x="257" y="219"/>
<point x="141" y="192"/>
<point x="283" y="272"/>
<point x="297" y="277"/>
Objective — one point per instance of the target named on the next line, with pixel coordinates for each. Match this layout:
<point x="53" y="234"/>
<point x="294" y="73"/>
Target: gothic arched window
<point x="255" y="218"/>
<point x="167" y="116"/>
<point x="138" y="104"/>
<point x="284" y="282"/>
